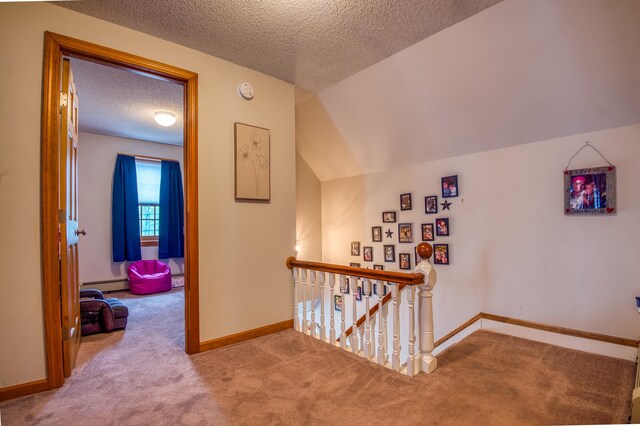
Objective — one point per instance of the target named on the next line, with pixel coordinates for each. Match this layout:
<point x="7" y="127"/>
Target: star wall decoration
<point x="389" y="233"/>
<point x="445" y="205"/>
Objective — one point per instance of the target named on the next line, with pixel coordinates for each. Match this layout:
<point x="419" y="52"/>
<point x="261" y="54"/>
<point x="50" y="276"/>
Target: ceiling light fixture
<point x="165" y="118"/>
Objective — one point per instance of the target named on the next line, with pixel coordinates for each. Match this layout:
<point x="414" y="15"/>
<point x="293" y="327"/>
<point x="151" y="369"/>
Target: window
<point x="148" y="175"/>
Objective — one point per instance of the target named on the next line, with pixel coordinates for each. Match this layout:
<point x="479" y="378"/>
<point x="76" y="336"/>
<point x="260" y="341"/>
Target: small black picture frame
<point x="450" y="186"/>
<point x="388" y="217"/>
<point x="405" y="201"/>
<point x="355" y="248"/>
<point x="442" y="227"/>
<point x="441" y="254"/>
<point x="337" y="302"/>
<point x="367" y="253"/>
<point x="389" y="253"/>
<point x="347" y="285"/>
<point x="405" y="233"/>
<point x="404" y="260"/>
<point x="431" y="204"/>
<point x="376" y="234"/>
<point x="359" y="293"/>
<point x="378" y="267"/>
<point x="375" y="289"/>
<point x="427" y="232"/>
<point x="354" y="264"/>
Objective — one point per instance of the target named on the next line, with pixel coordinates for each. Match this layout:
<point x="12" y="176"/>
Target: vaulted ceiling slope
<point x="310" y="43"/>
<point x="518" y="72"/>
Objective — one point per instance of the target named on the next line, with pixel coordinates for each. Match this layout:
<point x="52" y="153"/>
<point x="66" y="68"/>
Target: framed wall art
<point x="359" y="293"/>
<point x="427" y="231"/>
<point x="389" y="253"/>
<point x="378" y="267"/>
<point x="404" y="259"/>
<point x="252" y="163"/>
<point x="354" y="265"/>
<point x="376" y="234"/>
<point x="405" y="201"/>
<point x="388" y="217"/>
<point x="375" y="289"/>
<point x="355" y="248"/>
<point x="441" y="254"/>
<point x="431" y="204"/>
<point x="442" y="227"/>
<point x="367" y="253"/>
<point x="405" y="233"/>
<point x="450" y="186"/>
<point x="337" y="302"/>
<point x="590" y="191"/>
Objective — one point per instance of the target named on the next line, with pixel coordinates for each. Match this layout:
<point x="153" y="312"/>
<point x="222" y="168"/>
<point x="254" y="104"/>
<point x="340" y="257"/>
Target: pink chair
<point x="149" y="276"/>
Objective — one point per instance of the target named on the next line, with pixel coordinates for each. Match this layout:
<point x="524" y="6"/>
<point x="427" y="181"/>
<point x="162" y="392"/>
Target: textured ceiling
<point x="519" y="72"/>
<point x="310" y="43"/>
<point x="122" y="103"/>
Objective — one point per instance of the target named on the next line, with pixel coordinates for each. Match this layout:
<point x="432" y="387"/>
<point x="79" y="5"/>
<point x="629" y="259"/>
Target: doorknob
<point x="83" y="232"/>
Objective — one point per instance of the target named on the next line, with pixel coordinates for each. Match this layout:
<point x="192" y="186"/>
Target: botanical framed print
<point x="450" y="186"/>
<point x="389" y="253"/>
<point x="337" y="302"/>
<point x="252" y="163"/>
<point x="354" y="265"/>
<point x="404" y="259"/>
<point x="367" y="253"/>
<point x="427" y="232"/>
<point x="355" y="248"/>
<point x="405" y="201"/>
<point x="441" y="254"/>
<point x="378" y="267"/>
<point x="590" y="191"/>
<point x="388" y="217"/>
<point x="442" y="227"/>
<point x="431" y="204"/>
<point x="376" y="234"/>
<point x="405" y="233"/>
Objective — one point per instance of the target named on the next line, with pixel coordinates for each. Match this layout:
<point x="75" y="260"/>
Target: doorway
<point x="57" y="47"/>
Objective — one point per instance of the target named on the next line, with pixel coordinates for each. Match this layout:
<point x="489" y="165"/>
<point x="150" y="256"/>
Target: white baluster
<point x="313" y="303"/>
<point x="296" y="318"/>
<point x="354" y="333"/>
<point x="366" y="291"/>
<point x="343" y="334"/>
<point x="395" y="297"/>
<point x="332" y="329"/>
<point x="323" y="328"/>
<point x="304" y="300"/>
<point x="382" y="324"/>
<point x="385" y="336"/>
<point x="372" y="337"/>
<point x="411" y="359"/>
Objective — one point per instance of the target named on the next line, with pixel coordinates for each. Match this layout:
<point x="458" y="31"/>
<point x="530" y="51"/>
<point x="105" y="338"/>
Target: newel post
<point x="427" y="362"/>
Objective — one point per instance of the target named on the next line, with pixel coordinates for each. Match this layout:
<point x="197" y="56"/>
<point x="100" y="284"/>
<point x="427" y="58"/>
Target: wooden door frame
<point x="55" y="46"/>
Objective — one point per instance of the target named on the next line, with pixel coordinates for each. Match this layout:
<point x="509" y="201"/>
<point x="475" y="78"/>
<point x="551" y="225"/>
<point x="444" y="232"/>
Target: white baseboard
<point x="578" y="343"/>
<point x="455" y="339"/>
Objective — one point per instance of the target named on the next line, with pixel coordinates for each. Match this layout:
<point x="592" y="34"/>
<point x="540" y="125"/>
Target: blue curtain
<point x="125" y="225"/>
<point x="171" y="241"/>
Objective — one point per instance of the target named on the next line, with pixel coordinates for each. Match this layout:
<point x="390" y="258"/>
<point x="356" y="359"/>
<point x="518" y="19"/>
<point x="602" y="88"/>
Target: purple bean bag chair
<point x="149" y="276"/>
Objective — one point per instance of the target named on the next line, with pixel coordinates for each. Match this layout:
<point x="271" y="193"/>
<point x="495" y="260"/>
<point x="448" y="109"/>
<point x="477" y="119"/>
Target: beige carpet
<point x="142" y="377"/>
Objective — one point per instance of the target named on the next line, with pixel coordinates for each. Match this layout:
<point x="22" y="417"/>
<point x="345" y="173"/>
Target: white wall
<point x="308" y="213"/>
<point x="513" y="251"/>
<point x="232" y="235"/>
<point x="96" y="162"/>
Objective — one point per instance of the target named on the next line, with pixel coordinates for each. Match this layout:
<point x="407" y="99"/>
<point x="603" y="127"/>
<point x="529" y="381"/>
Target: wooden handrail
<point x="372" y="274"/>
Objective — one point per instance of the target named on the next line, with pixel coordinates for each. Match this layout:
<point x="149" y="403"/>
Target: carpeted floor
<point x="142" y="376"/>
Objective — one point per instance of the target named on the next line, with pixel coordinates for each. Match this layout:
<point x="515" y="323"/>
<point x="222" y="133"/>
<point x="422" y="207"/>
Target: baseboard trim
<point x="580" y="334"/>
<point x="245" y="335"/>
<point x="16" y="391"/>
<point x="563" y="330"/>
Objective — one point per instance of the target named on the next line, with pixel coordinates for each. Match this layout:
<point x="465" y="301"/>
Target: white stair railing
<point x="363" y="323"/>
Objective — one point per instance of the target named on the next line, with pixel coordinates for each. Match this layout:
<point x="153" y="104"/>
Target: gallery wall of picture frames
<point x="433" y="230"/>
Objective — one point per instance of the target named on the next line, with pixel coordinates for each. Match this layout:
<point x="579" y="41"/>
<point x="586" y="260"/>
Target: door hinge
<point x="64" y="100"/>
<point x="62" y="216"/>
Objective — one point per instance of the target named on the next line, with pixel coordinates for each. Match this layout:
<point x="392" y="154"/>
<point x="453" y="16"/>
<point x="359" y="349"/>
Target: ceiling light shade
<point x="165" y="118"/>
